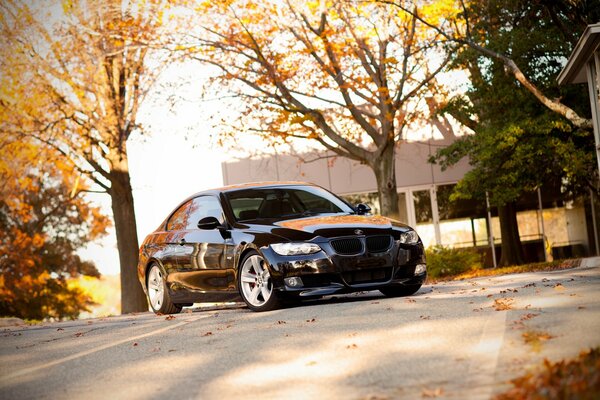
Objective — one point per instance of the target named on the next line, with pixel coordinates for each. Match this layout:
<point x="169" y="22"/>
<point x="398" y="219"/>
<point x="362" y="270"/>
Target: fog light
<point x="420" y="269"/>
<point x="293" y="282"/>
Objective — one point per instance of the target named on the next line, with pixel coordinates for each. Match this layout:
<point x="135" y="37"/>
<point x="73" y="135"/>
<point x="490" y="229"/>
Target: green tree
<point x="519" y="145"/>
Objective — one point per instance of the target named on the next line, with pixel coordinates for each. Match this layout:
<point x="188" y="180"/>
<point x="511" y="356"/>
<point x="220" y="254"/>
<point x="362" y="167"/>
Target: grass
<point x="516" y="269"/>
<point x="577" y="379"/>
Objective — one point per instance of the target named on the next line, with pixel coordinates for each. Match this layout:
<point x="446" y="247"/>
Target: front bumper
<point x="326" y="272"/>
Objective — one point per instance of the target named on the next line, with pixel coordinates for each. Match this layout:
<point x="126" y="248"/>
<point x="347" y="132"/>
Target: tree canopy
<point x="468" y="24"/>
<point x="519" y="144"/>
<point x="350" y="76"/>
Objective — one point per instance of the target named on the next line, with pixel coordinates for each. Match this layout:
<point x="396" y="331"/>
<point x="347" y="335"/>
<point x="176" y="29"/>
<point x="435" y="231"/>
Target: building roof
<point x="574" y="71"/>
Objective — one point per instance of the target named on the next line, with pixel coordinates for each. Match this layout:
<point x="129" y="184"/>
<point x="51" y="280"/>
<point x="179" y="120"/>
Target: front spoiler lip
<point x="340" y="288"/>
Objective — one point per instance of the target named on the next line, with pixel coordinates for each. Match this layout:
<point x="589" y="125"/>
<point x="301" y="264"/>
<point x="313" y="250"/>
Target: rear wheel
<point x="400" y="291"/>
<point x="256" y="286"/>
<point x="158" y="295"/>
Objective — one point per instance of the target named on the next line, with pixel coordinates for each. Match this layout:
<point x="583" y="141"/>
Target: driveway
<point x="456" y="340"/>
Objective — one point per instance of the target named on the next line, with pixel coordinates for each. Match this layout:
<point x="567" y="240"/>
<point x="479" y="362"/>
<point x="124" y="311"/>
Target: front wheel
<point x="158" y="295"/>
<point x="400" y="291"/>
<point x="256" y="286"/>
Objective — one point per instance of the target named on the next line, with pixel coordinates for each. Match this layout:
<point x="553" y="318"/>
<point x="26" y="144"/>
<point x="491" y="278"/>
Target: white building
<point x="423" y="190"/>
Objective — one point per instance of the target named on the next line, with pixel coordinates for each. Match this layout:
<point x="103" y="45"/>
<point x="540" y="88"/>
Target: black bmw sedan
<point x="272" y="242"/>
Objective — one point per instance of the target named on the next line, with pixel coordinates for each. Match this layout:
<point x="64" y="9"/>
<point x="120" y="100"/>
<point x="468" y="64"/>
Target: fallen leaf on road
<point x="528" y="316"/>
<point x="352" y="346"/>
<point x="60" y="329"/>
<point x="78" y="334"/>
<point x="425" y="317"/>
<point x="559" y="287"/>
<point x="432" y="392"/>
<point x="169" y="317"/>
<point x="207" y="334"/>
<point x="503" y="304"/>
<point x="532" y="284"/>
<point x="171" y="350"/>
<point x="281" y="322"/>
<point x="489" y="295"/>
<point x="535" y="339"/>
<point x="135" y="344"/>
<point x="311" y="320"/>
<point x="376" y="397"/>
<point x="581" y="308"/>
<point x="410" y="300"/>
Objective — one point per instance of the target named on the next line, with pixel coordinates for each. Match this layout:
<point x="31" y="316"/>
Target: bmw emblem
<point x="358" y="232"/>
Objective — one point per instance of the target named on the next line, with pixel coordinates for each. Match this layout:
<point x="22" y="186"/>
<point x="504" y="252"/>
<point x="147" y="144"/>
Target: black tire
<point x="158" y="294"/>
<point x="400" y="291"/>
<point x="255" y="284"/>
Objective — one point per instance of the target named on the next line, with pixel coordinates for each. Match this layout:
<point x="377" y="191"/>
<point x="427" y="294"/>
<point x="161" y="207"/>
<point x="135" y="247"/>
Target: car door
<point x="173" y="238"/>
<point x="203" y="265"/>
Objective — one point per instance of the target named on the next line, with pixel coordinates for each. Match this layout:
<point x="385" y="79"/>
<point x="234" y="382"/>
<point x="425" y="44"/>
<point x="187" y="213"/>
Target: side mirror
<point x="209" y="223"/>
<point x="362" y="209"/>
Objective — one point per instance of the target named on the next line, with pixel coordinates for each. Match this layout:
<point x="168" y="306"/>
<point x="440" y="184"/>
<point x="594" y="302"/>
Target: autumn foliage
<point x="44" y="220"/>
<point x="350" y="76"/>
<point x="80" y="74"/>
<point x="570" y="379"/>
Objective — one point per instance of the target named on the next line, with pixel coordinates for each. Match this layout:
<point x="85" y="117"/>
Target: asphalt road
<point x="455" y="340"/>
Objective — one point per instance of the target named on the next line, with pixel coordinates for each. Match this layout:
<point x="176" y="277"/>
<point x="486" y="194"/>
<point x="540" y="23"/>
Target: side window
<point x="204" y="206"/>
<point x="179" y="219"/>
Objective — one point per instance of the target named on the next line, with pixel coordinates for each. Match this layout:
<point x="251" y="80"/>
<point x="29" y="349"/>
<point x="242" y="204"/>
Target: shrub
<point x="444" y="261"/>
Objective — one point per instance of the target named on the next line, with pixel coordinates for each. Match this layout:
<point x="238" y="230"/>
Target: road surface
<point x="455" y="340"/>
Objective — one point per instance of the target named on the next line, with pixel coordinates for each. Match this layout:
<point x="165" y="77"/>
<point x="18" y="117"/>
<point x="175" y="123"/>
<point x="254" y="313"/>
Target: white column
<point x="593" y="74"/>
<point x="435" y="214"/>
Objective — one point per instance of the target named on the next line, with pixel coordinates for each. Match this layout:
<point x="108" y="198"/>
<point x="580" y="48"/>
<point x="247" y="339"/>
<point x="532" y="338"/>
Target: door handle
<point x="182" y="242"/>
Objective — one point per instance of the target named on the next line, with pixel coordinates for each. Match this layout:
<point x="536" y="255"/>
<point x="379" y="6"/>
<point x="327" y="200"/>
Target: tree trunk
<point x="132" y="295"/>
<point x="512" y="251"/>
<point x="385" y="174"/>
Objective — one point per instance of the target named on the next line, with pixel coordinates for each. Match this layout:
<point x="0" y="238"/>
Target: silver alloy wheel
<point x="156" y="288"/>
<point x="256" y="281"/>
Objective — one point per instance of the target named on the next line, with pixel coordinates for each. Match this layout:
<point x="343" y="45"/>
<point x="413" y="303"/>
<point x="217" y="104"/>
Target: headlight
<point x="292" y="249"/>
<point x="409" y="237"/>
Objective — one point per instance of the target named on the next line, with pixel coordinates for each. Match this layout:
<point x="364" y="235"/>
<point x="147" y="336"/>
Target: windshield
<point x="284" y="202"/>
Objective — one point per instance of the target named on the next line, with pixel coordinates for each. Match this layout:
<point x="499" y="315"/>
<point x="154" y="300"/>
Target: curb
<point x="590" y="262"/>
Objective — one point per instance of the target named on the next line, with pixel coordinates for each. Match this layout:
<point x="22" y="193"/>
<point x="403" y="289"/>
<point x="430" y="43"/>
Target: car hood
<point x="328" y="226"/>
